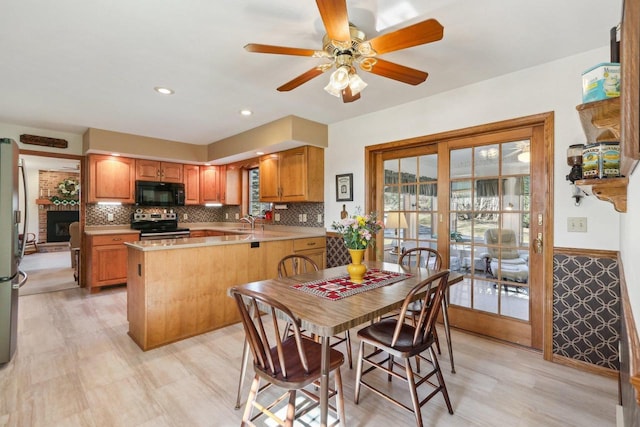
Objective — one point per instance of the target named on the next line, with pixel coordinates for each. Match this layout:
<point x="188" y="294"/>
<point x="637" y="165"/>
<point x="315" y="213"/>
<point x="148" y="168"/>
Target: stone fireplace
<point x="54" y="217"/>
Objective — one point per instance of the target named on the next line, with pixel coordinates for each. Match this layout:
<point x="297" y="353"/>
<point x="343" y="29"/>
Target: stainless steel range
<point x="156" y="226"/>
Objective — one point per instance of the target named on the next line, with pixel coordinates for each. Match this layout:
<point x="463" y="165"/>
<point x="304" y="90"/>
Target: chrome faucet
<point x="249" y="219"/>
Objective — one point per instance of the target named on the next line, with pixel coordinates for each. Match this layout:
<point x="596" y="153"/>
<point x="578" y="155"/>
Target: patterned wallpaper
<point x="337" y="252"/>
<point x="586" y="309"/>
<point x="98" y="214"/>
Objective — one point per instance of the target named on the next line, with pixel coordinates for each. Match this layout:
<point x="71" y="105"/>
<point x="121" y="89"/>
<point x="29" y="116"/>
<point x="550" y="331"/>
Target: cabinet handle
<point x="158" y="173"/>
<point x="311" y="244"/>
<point x="116" y="239"/>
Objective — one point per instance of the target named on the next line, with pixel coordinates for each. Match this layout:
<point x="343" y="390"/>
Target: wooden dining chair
<point x="30" y="243"/>
<point x="292" y="363"/>
<point x="292" y="265"/>
<point x="432" y="260"/>
<point x="393" y="339"/>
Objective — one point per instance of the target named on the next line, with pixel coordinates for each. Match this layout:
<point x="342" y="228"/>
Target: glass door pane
<point x="489" y="228"/>
<point x="410" y="204"/>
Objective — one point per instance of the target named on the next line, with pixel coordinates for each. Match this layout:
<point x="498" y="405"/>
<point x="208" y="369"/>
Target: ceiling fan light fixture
<point x="340" y="77"/>
<point x="524" y="157"/>
<point x="331" y="90"/>
<point x="356" y="84"/>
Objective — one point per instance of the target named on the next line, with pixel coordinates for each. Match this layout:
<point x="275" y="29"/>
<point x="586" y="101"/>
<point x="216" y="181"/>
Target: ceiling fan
<point x="345" y="45"/>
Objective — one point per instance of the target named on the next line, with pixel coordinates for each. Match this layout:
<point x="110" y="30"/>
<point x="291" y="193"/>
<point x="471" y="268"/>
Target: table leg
<point x="324" y="382"/>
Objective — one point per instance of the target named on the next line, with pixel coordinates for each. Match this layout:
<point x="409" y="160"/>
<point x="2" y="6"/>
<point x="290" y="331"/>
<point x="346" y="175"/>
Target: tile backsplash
<point x="98" y="214"/>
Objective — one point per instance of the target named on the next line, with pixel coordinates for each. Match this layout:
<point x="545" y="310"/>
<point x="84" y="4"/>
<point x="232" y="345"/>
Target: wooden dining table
<point x="325" y="318"/>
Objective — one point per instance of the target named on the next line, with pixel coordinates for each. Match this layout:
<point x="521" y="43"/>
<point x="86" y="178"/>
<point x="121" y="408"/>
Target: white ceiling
<point x="72" y="64"/>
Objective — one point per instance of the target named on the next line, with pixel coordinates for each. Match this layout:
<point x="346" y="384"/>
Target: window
<point x="256" y="208"/>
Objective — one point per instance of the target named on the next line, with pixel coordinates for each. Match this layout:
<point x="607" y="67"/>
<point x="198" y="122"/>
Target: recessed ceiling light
<point x="163" y="90"/>
<point x="246" y="112"/>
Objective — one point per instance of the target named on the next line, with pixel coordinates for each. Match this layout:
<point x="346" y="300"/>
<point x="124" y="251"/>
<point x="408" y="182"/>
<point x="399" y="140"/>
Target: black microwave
<point x="152" y="193"/>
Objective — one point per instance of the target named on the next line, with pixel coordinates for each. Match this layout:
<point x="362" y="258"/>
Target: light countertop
<point x="245" y="235"/>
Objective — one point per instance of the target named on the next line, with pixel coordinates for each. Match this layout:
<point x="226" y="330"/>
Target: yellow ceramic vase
<point x="356" y="269"/>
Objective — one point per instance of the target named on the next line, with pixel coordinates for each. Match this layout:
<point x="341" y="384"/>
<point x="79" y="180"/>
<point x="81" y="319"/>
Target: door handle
<point x="537" y="244"/>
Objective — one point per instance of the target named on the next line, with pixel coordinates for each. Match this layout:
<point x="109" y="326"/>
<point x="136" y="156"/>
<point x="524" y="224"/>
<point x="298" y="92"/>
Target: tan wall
<point x="104" y="141"/>
<point x="287" y="129"/>
<point x="288" y="132"/>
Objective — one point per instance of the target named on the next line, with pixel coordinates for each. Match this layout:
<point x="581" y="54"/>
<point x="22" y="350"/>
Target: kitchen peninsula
<point x="177" y="288"/>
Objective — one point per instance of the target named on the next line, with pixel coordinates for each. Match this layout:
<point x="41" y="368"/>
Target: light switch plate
<point x="577" y="224"/>
<point x="276" y="217"/>
<point x="110" y="217"/>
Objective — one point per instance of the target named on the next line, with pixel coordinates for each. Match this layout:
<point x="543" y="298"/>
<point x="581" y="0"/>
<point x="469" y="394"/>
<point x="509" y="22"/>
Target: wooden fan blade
<point x="301" y="79"/>
<point x="335" y="19"/>
<point x="398" y="72"/>
<point x="423" y="32"/>
<point x="347" y="96"/>
<point x="280" y="50"/>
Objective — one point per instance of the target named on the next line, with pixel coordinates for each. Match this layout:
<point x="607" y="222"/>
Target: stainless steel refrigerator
<point x="11" y="249"/>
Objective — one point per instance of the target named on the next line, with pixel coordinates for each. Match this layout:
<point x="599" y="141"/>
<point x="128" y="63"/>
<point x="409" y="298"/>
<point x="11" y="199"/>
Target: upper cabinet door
<point x="111" y="179"/>
<point x="171" y="172"/>
<point x="191" y="174"/>
<point x="147" y="170"/>
<point x="293" y="175"/>
<point x="270" y="178"/>
<point x="233" y="192"/>
<point x="153" y="170"/>
<point x="210" y="184"/>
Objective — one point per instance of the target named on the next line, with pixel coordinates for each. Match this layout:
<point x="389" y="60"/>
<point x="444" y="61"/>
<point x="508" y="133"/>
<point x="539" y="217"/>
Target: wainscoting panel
<point x="337" y="253"/>
<point x="586" y="306"/>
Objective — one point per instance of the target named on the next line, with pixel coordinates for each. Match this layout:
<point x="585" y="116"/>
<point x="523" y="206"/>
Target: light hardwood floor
<point x="48" y="272"/>
<point x="76" y="366"/>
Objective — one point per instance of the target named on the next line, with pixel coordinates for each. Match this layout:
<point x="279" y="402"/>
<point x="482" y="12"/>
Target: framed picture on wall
<point x="344" y="187"/>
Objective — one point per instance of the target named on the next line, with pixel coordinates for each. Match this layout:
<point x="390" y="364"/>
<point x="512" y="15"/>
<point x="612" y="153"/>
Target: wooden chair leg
<point x="340" y="398"/>
<point x="414" y="392"/>
<point x="243" y="371"/>
<point x="291" y="409"/>
<point x="441" y="382"/>
<point x="253" y="394"/>
<point x="359" y="364"/>
<point x="447" y="331"/>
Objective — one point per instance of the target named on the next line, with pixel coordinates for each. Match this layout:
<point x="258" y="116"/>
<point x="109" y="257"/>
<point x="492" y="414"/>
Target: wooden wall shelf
<point x="43" y="202"/>
<point x="601" y="123"/>
<point x="600" y="120"/>
<point x="612" y="190"/>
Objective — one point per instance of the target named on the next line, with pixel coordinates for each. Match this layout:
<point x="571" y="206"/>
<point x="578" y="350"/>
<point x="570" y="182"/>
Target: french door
<point x="481" y="199"/>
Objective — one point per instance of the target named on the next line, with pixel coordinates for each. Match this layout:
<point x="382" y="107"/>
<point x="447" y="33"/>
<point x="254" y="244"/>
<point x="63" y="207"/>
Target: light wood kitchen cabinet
<point x="191" y="174"/>
<point x="170" y="294"/>
<point x="295" y="175"/>
<point x="153" y="170"/>
<point x="212" y="184"/>
<point x="107" y="259"/>
<point x="110" y="179"/>
<point x="233" y="186"/>
<point x="312" y="247"/>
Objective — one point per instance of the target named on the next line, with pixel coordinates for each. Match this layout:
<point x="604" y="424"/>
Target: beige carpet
<point x="48" y="272"/>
